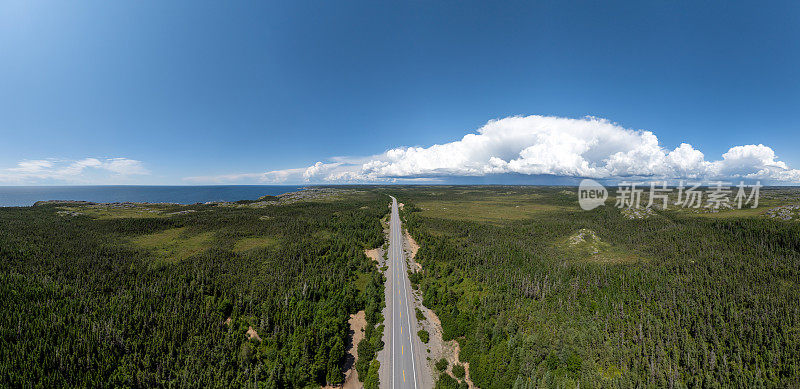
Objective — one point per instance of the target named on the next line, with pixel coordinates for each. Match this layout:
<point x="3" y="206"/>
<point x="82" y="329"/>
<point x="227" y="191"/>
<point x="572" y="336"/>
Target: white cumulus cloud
<point x="547" y="145"/>
<point x="82" y="171"/>
<point x="587" y="147"/>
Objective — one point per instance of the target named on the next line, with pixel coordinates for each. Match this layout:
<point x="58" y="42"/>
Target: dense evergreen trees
<point x="707" y="302"/>
<point x="80" y="305"/>
<point x="368" y="347"/>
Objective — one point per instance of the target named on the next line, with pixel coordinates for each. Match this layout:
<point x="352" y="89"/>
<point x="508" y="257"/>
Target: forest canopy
<point x="213" y="295"/>
<point x="540" y="293"/>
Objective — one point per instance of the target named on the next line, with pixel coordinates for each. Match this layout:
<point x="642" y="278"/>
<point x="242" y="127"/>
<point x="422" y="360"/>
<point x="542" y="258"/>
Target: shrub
<point x="458" y="371"/>
<point x="366" y="353"/>
<point x="446" y="382"/>
<point x="423" y="336"/>
<point x="373" y="379"/>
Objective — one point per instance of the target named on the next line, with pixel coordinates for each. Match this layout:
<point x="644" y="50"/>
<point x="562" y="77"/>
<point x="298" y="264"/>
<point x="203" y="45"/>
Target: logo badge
<point x="591" y="194"/>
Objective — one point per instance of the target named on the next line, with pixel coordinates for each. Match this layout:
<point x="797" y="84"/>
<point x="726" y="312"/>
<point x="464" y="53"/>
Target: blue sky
<point x="154" y="92"/>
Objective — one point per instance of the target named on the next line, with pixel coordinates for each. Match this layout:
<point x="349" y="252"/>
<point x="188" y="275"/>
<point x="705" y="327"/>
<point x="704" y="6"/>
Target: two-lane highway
<point x="402" y="324"/>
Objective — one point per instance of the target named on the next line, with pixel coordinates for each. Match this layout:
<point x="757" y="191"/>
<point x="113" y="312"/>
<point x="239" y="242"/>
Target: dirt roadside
<point x="436" y="348"/>
<point x="357" y="324"/>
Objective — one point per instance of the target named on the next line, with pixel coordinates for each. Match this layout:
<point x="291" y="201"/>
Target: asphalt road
<point x="405" y="350"/>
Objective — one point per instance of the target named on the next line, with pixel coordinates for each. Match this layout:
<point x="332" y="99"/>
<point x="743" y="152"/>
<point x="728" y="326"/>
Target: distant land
<point x="22" y="196"/>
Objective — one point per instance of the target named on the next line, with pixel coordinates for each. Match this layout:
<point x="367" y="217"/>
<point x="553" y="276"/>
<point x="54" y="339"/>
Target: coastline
<point x="26" y="196"/>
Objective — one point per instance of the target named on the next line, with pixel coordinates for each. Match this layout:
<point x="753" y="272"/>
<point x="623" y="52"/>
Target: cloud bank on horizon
<point x="533" y="145"/>
<point x="589" y="147"/>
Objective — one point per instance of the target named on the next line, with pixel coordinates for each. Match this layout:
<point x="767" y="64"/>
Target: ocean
<point x="17" y="196"/>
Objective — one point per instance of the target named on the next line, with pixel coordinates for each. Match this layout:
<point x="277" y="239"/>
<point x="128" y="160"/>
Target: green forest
<point x="541" y="294"/>
<point x="217" y="295"/>
<point x="537" y="292"/>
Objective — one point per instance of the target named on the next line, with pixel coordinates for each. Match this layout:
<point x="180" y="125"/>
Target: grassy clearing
<point x="362" y="279"/>
<point x="110" y="212"/>
<point x="322" y="235"/>
<point x="614" y="255"/>
<point x="256" y="242"/>
<point x="492" y="209"/>
<point x="175" y="244"/>
<point x="770" y="198"/>
<point x="744" y="212"/>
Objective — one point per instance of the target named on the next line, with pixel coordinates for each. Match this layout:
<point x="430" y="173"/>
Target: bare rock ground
<point x="357" y="322"/>
<point x="252" y="334"/>
<point x="411" y="247"/>
<point x="373" y="254"/>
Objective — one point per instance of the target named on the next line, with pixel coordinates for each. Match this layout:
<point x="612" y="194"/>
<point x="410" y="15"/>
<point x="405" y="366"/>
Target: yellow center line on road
<point x="404" y="375"/>
<point x="401" y="349"/>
